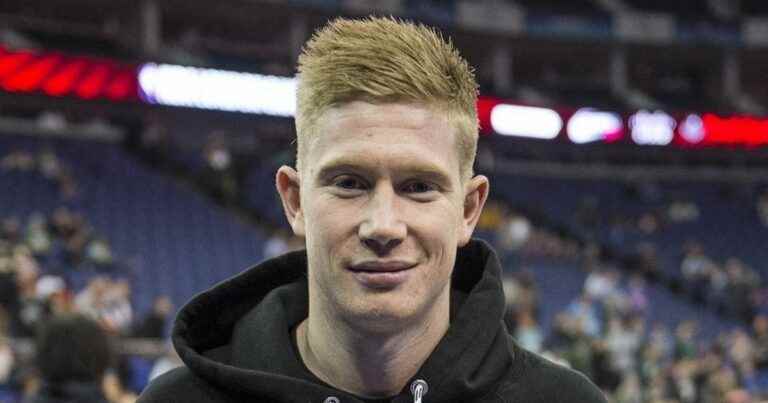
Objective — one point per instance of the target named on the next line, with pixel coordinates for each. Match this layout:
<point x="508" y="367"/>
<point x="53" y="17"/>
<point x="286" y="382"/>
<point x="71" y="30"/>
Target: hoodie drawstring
<point x="419" y="388"/>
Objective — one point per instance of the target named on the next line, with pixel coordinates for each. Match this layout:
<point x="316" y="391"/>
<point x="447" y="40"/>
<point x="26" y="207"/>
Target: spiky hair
<point x="386" y="60"/>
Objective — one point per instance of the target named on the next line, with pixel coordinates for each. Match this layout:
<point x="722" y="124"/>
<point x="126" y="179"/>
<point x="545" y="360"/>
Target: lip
<point x="381" y="266"/>
<point x="382" y="275"/>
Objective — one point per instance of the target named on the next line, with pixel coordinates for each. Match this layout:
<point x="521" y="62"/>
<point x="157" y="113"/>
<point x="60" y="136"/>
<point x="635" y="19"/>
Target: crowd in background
<point x="732" y="288"/>
<point x="58" y="275"/>
<point x="605" y="332"/>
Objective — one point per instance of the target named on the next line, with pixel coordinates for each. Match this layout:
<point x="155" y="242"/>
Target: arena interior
<point x="626" y="142"/>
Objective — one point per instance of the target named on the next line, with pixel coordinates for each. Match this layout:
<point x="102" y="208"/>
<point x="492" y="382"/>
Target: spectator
<point x="630" y="390"/>
<point x="696" y="268"/>
<point x="277" y="244"/>
<point x="73" y="354"/>
<point x="32" y="309"/>
<point x="741" y="284"/>
<point x="685" y="345"/>
<point x="623" y="340"/>
<point x="18" y="161"/>
<point x="219" y="174"/>
<point x="37" y="236"/>
<point x="760" y="330"/>
<point x="661" y="340"/>
<point x="153" y="325"/>
<point x="604" y="372"/>
<point x="50" y="166"/>
<point x="527" y="331"/>
<point x="63" y="223"/>
<point x="681" y="385"/>
<point x="601" y="284"/>
<point x="683" y="211"/>
<point x="7" y="358"/>
<point x="116" y="313"/>
<point x="638" y="295"/>
<point x="99" y="253"/>
<point x="585" y="312"/>
<point x="114" y="390"/>
<point x="513" y="233"/>
<point x="492" y="216"/>
<point x="762" y="207"/>
<point x="91" y="299"/>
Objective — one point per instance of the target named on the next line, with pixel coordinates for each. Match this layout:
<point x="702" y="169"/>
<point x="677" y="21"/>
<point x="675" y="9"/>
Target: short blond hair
<point x="386" y="60"/>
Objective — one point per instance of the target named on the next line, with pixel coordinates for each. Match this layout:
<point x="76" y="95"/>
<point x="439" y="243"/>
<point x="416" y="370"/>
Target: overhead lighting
<point x="526" y="121"/>
<point x="193" y="87"/>
<point x="692" y="129"/>
<point x="588" y="125"/>
<point x="652" y="128"/>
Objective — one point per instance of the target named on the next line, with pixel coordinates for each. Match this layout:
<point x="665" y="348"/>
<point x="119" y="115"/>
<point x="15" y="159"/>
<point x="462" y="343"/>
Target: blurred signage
<point x="87" y="78"/>
<point x="738" y="130"/>
<point x="526" y="121"/>
<point x="588" y="125"/>
<point x="652" y="128"/>
<point x="172" y="85"/>
<point x="691" y="129"/>
<point x="58" y="75"/>
<point x="645" y="128"/>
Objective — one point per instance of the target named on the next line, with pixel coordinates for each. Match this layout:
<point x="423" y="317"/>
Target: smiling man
<point x="392" y="301"/>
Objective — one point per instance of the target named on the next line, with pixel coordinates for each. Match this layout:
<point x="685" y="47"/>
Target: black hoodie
<point x="235" y="340"/>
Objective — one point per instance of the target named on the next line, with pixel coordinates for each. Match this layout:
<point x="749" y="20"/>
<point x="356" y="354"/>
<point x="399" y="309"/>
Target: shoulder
<point x="179" y="385"/>
<point x="540" y="380"/>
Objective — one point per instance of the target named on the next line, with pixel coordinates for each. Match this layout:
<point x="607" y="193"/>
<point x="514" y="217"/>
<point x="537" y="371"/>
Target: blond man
<point x="392" y="301"/>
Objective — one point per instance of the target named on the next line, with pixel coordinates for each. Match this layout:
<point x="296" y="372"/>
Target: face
<point x="383" y="209"/>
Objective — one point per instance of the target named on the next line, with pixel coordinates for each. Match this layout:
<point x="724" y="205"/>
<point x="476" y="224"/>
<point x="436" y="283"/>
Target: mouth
<point x="382" y="275"/>
<point x="381" y="266"/>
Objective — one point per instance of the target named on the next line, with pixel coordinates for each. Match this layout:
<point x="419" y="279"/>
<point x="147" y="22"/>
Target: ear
<point x="288" y="186"/>
<point x="476" y="193"/>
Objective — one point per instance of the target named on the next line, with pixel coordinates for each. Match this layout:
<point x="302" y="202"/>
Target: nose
<point x="382" y="228"/>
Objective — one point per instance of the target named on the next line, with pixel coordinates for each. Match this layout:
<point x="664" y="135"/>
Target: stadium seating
<point x="560" y="284"/>
<point x="173" y="240"/>
<point x="733" y="214"/>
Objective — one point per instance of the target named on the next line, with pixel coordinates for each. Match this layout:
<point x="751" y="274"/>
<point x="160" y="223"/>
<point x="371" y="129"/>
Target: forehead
<point x="391" y="134"/>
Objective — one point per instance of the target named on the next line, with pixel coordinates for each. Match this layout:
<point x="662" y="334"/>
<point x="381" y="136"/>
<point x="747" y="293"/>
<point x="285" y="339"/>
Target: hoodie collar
<point x="222" y="337"/>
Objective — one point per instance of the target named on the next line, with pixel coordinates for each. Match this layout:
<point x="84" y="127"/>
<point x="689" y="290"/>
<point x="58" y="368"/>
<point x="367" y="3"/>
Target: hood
<point x="236" y="335"/>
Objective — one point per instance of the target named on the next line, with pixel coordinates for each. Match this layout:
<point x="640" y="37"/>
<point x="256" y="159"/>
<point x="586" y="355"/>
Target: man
<point x="73" y="354"/>
<point x="391" y="301"/>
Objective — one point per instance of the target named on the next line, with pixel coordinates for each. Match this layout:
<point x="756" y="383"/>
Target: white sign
<point x="588" y="125"/>
<point x="168" y="84"/>
<point x="526" y="121"/>
<point x="652" y="128"/>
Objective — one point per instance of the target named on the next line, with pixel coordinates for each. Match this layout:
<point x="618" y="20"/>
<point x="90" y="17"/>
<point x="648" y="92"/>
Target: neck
<point x="369" y="364"/>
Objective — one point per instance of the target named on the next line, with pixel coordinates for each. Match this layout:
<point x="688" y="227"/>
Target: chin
<point x="380" y="317"/>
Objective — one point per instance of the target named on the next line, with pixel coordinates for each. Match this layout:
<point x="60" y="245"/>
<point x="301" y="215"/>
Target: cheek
<point x="435" y="228"/>
<point x="328" y="222"/>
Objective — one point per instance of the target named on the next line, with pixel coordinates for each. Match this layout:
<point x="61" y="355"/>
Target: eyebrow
<point x="422" y="169"/>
